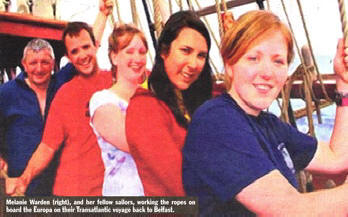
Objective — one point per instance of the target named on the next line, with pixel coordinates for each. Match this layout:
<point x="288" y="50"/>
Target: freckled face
<point x="260" y="73"/>
<point x="186" y="58"/>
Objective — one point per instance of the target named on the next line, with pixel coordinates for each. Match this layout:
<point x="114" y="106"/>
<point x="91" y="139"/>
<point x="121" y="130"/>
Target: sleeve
<point x="223" y="153"/>
<point x="103" y="97"/>
<point x="153" y="146"/>
<point x="54" y="133"/>
<point x="97" y="100"/>
<point x="301" y="147"/>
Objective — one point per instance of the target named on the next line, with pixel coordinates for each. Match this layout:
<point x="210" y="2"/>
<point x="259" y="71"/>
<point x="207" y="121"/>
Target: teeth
<point x="186" y="75"/>
<point x="263" y="87"/>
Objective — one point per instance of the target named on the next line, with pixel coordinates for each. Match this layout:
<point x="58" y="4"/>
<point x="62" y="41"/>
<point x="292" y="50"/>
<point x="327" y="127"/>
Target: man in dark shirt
<point x="24" y="103"/>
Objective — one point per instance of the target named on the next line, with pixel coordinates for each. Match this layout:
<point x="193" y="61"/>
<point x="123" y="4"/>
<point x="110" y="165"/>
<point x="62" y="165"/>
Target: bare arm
<point x="272" y="195"/>
<point x="333" y="158"/>
<point x="109" y="121"/>
<point x="105" y="9"/>
<point x="39" y="161"/>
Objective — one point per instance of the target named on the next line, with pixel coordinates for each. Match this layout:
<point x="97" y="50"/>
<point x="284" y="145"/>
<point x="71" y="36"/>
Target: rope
<point x="305" y="178"/>
<point x="180" y="4"/>
<point x="287" y="87"/>
<point x="268" y="5"/>
<point x="134" y="12"/>
<point x="142" y="29"/>
<point x="306" y="79"/>
<point x="224" y="5"/>
<point x="208" y="25"/>
<point x="118" y="13"/>
<point x="311" y="50"/>
<point x="218" y="13"/>
<point x="343" y="21"/>
<point x="157" y="16"/>
<point x="213" y="36"/>
<point x="170" y="7"/>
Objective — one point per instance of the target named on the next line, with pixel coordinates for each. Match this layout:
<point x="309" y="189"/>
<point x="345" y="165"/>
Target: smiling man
<point x="24" y="103"/>
<point x="80" y="170"/>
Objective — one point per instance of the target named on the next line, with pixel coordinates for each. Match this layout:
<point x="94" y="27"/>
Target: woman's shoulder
<point x="143" y="95"/>
<point x="145" y="100"/>
<point x="104" y="97"/>
<point x="222" y="104"/>
<point x="143" y="92"/>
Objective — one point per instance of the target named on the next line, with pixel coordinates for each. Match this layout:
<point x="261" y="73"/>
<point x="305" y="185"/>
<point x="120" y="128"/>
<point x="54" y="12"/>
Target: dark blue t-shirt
<point x="227" y="150"/>
<point x="22" y="125"/>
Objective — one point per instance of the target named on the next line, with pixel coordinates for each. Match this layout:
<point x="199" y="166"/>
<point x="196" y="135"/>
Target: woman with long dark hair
<point x="157" y="118"/>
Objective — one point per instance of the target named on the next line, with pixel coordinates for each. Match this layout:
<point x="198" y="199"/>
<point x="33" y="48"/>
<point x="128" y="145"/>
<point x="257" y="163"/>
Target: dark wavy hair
<point x="74" y="29"/>
<point x="159" y="83"/>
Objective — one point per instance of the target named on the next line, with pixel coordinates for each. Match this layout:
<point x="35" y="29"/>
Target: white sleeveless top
<point x="121" y="176"/>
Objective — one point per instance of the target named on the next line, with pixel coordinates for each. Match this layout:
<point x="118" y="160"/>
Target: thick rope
<point x="134" y="12"/>
<point x="224" y="5"/>
<point x="170" y="7"/>
<point x="218" y="13"/>
<point x="179" y="3"/>
<point x="157" y="16"/>
<point x="343" y="21"/>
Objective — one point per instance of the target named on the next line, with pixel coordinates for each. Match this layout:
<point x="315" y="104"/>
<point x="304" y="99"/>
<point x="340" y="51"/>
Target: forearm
<point x="39" y="161"/>
<point x="99" y="26"/>
<point x="339" y="142"/>
<point x="327" y="202"/>
<point x="272" y="195"/>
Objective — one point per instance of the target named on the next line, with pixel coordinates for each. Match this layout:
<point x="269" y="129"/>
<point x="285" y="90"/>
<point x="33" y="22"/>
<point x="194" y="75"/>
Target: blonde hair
<point x="120" y="38"/>
<point x="246" y="30"/>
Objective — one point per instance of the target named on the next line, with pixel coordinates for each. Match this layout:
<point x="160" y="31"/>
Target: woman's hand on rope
<point x="341" y="66"/>
<point x="106" y="6"/>
<point x="227" y="21"/>
<point x="16" y="186"/>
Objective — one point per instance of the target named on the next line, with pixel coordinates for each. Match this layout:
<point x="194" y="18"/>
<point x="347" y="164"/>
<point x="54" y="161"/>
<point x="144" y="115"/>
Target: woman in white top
<point x="127" y="54"/>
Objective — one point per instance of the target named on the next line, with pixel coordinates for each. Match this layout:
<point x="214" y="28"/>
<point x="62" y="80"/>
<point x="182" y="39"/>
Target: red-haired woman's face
<point x="131" y="60"/>
<point x="260" y="73"/>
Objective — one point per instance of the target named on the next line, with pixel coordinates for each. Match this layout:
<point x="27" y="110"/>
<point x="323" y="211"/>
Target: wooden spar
<point x="229" y="4"/>
<point x="30" y="26"/>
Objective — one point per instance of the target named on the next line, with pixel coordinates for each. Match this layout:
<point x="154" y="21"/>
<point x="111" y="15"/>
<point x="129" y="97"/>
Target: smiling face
<point x="186" y="58"/>
<point x="82" y="53"/>
<point x="131" y="60"/>
<point x="38" y="65"/>
<point x="258" y="76"/>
